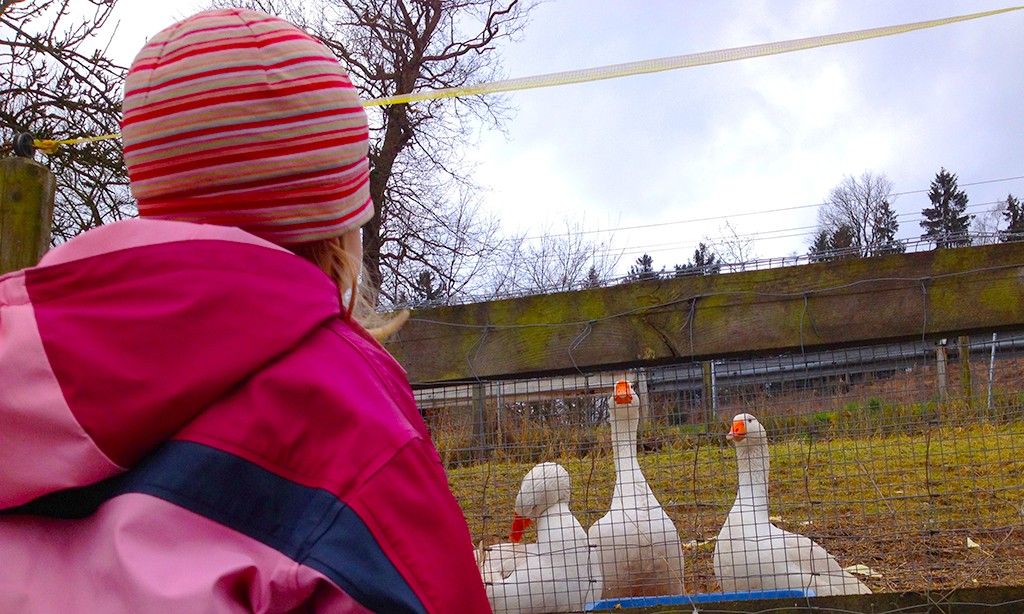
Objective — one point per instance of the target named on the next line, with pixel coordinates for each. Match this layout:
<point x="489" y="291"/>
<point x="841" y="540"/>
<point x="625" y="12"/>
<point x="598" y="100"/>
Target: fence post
<point x="642" y="392"/>
<point x="991" y="372"/>
<point x="964" y="350"/>
<point x="940" y="369"/>
<point x="480" y="438"/>
<point x="706" y="395"/>
<point x="26" y="212"/>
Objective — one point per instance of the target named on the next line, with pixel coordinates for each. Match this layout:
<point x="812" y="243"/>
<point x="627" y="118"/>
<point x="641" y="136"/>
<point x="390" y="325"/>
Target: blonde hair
<point x="357" y="299"/>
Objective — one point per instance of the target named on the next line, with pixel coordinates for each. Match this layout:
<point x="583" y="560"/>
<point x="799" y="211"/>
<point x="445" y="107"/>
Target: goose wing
<point x="824" y="573"/>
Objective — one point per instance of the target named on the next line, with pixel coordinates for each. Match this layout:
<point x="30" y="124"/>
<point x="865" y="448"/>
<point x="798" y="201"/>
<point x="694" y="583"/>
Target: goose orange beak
<point x="519" y="525"/>
<point x="623" y="394"/>
<point x="738" y="432"/>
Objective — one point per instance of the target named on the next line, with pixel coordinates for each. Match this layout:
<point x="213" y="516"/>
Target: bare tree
<point x="58" y="82"/>
<point x="556" y="262"/>
<point x="732" y="247"/>
<point x="985" y="225"/>
<point x="426" y="214"/>
<point x="862" y="207"/>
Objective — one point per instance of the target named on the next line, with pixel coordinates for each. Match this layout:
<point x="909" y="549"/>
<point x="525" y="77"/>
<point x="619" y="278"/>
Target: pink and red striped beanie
<point x="237" y="118"/>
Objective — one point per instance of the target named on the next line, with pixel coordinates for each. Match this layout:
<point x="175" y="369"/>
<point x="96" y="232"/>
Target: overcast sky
<point x="735" y="141"/>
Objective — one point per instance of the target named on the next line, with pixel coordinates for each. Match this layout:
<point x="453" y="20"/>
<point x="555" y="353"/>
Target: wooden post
<point x="642" y="392"/>
<point x="26" y="212"/>
<point x="964" y="351"/>
<point x="480" y="439"/>
<point x="499" y="414"/>
<point x="940" y="369"/>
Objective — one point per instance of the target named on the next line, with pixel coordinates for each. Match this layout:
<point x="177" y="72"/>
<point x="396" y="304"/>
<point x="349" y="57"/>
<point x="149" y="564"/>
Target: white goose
<point x="753" y="554"/>
<point x="556" y="573"/>
<point x="637" y="543"/>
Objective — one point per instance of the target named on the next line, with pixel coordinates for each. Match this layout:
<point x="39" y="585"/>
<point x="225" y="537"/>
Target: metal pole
<point x="706" y="394"/>
<point x="714" y="389"/>
<point x="940" y="369"/>
<point x="991" y="371"/>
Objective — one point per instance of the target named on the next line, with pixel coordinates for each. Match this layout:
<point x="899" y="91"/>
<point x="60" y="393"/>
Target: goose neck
<point x="624" y="448"/>
<point x="752" y="466"/>
<point x="553" y="517"/>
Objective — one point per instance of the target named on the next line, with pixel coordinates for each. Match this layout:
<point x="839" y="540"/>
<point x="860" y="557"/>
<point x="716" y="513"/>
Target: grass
<point x="877" y="484"/>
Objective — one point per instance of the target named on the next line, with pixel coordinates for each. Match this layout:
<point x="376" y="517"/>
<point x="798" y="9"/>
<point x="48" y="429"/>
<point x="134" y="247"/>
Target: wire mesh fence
<point x="892" y="468"/>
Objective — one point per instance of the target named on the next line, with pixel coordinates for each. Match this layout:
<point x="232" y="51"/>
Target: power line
<point x="767" y="235"/>
<point x="746" y="213"/>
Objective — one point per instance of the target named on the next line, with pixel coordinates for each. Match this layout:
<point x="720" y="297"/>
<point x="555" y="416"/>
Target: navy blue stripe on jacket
<point x="309" y="525"/>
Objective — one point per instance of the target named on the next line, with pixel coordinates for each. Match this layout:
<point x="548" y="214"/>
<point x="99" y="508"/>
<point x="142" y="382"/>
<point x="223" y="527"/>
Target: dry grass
<point x="902" y="500"/>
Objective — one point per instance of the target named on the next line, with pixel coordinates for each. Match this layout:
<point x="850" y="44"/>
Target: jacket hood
<point x="123" y="335"/>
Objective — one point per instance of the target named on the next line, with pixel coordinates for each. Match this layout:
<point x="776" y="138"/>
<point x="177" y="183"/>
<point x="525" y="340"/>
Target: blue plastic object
<point x="648" y="602"/>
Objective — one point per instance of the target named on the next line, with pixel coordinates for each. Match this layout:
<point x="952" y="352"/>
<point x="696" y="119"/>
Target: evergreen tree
<point x="705" y="261"/>
<point x="884" y="228"/>
<point x="839" y="244"/>
<point x="1014" y="216"/>
<point x="643" y="269"/>
<point x="426" y="288"/>
<point x="945" y="221"/>
<point x="593" y="278"/>
<point x="843" y="243"/>
<point x="820" y="248"/>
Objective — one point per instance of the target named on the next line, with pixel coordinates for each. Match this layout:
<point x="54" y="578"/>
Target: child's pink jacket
<point x="187" y="425"/>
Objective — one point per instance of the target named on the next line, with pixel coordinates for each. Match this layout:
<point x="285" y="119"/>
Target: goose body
<point x="558" y="573"/>
<point x="497" y="562"/>
<point x="751" y="553"/>
<point x="636" y="542"/>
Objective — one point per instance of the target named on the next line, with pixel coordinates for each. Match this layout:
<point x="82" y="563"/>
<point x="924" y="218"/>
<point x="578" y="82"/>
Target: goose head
<point x="624" y="404"/>
<point x="746" y="430"/>
<point x="545" y="485"/>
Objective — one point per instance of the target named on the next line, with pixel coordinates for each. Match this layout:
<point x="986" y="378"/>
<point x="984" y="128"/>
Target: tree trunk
<point x="371" y="234"/>
<point x="396" y="136"/>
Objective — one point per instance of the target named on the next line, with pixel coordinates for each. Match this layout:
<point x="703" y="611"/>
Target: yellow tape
<point x="50" y="146"/>
<point x="628" y="69"/>
<point x="677" y="62"/>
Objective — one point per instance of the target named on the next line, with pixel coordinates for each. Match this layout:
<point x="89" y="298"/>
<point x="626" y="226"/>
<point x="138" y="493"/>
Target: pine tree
<point x="884" y="228"/>
<point x="1014" y="216"/>
<point x="425" y="289"/>
<point x="820" y="248"/>
<point x="593" y="279"/>
<point x="704" y="262"/>
<point x="843" y="243"/>
<point x="839" y="244"/>
<point x="643" y="269"/>
<point x="945" y="221"/>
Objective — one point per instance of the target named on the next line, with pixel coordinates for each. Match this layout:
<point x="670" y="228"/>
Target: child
<point x="191" y="418"/>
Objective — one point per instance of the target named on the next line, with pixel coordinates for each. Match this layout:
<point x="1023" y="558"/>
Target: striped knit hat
<point x="237" y="118"/>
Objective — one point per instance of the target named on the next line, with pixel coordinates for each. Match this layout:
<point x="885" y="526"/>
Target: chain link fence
<point x="904" y="462"/>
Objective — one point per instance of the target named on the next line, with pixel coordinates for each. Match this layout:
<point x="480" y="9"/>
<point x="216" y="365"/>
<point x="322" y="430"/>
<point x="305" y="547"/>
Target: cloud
<point x="762" y="134"/>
